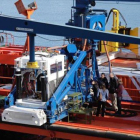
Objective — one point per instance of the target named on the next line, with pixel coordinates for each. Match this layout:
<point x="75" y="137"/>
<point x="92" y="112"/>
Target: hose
<point x="119" y="13"/>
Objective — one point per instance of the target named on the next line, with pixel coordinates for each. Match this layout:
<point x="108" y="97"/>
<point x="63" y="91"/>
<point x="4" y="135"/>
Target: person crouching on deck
<point x="119" y="95"/>
<point x="102" y="96"/>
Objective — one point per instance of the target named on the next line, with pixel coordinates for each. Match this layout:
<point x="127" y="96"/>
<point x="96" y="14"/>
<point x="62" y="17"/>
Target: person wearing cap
<point x="102" y="98"/>
<point x="119" y="95"/>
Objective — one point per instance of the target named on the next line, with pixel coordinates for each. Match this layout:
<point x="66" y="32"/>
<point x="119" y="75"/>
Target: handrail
<point x="132" y="89"/>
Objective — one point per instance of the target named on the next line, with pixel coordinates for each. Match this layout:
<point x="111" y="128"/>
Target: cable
<point x="121" y="69"/>
<point x="50" y="39"/>
<point x="19" y="36"/>
<point x="65" y="39"/>
<point x="132" y="71"/>
<point x="39" y="37"/>
<point x="119" y="13"/>
<point x="117" y="2"/>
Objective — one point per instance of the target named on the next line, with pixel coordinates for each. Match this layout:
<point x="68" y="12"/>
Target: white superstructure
<point x="53" y="64"/>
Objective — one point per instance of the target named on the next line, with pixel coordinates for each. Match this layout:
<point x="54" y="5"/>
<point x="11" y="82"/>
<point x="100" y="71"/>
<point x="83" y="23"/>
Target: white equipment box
<point x="27" y="116"/>
<point x="54" y="65"/>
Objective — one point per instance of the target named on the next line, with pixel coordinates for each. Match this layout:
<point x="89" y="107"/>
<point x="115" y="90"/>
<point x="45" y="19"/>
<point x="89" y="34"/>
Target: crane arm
<point x="34" y="27"/>
<point x="69" y="78"/>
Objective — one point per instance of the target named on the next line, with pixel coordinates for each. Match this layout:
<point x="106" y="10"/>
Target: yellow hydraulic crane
<point x="113" y="46"/>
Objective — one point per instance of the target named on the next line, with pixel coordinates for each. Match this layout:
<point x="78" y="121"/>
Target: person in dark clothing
<point x="88" y="104"/>
<point x="119" y="95"/>
<point x="112" y="91"/>
<point x="103" y="96"/>
<point x="104" y="80"/>
<point x="93" y="93"/>
<point x="94" y="89"/>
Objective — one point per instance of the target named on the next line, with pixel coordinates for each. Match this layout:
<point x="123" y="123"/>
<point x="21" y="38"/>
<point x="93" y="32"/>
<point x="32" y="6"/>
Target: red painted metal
<point x="4" y="92"/>
<point x="2" y="77"/>
<point x="133" y="129"/>
<point x="129" y="105"/>
<point x="124" y="125"/>
<point x="130" y="87"/>
<point x="8" y="53"/>
<point x="120" y="62"/>
<point x="107" y="54"/>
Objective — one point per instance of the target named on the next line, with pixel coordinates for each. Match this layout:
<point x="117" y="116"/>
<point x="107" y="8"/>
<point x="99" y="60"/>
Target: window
<point x="56" y="67"/>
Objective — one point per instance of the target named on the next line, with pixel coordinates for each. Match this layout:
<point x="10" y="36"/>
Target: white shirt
<point x="104" y="94"/>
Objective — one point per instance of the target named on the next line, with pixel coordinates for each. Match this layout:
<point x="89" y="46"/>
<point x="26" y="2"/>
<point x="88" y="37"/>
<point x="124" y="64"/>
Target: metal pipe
<point x="76" y="81"/>
<point x="87" y="74"/>
<point x="70" y="75"/>
<point x="69" y="31"/>
<point x="96" y="68"/>
<point x="110" y="69"/>
<point x="63" y="94"/>
<point x="57" y="82"/>
<point x="56" y="47"/>
<point x="28" y="43"/>
<point x="94" y="63"/>
<point x="93" y="132"/>
<point x="18" y="86"/>
<point x="85" y="43"/>
<point x="32" y="47"/>
<point x="44" y="88"/>
<point x="18" y="71"/>
<point x="83" y="40"/>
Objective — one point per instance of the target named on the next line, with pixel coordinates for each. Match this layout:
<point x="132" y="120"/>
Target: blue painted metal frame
<point x="121" y="0"/>
<point x="76" y="78"/>
<point x="96" y="18"/>
<point x="10" y="99"/>
<point x="87" y="83"/>
<point x="33" y="27"/>
<point x="32" y="47"/>
<point x="63" y="89"/>
<point x="95" y="22"/>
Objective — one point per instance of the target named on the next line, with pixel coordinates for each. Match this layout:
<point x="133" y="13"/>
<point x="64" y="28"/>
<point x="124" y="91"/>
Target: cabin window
<point x="56" y="67"/>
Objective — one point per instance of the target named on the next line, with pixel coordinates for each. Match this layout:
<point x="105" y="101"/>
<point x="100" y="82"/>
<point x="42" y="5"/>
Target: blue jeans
<point x="99" y="107"/>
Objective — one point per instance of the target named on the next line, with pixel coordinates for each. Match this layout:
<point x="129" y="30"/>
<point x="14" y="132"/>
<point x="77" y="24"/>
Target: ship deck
<point x="108" y="127"/>
<point x="123" y="62"/>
